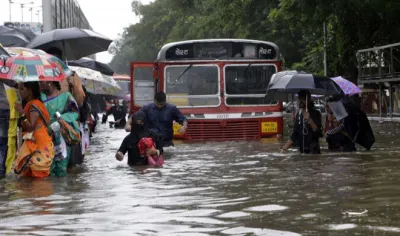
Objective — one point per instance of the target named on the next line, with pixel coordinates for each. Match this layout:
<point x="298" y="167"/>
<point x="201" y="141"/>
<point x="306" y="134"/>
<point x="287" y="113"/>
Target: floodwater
<point x="231" y="188"/>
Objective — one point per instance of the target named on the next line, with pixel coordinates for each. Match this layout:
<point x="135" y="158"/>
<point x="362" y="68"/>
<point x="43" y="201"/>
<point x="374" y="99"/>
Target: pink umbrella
<point x="127" y="97"/>
<point x="346" y="86"/>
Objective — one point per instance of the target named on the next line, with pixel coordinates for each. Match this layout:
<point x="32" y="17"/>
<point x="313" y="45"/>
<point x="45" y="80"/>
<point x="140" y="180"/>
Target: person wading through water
<point x="139" y="130"/>
<point x="161" y="116"/>
<point x="307" y="127"/>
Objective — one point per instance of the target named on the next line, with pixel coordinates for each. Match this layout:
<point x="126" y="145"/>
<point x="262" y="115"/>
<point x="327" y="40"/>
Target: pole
<point x="47" y="18"/>
<point x="325" y="62"/>
<point x="31" y="9"/>
<point x="391" y="99"/>
<point x="380" y="100"/>
<point x="22" y="12"/>
<point x="9" y="5"/>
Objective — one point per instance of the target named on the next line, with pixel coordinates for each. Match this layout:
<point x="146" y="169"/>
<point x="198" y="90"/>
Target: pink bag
<point x="157" y="161"/>
<point x="143" y="145"/>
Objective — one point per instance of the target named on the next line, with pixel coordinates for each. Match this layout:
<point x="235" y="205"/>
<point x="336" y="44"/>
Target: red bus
<point x="124" y="82"/>
<point x="219" y="85"/>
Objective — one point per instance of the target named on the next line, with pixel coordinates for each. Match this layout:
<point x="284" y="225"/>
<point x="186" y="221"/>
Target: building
<point x="59" y="14"/>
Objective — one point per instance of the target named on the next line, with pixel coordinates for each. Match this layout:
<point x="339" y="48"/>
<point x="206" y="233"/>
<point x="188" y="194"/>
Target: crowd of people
<point x="342" y="131"/>
<point x="54" y="124"/>
<point x="58" y="118"/>
<point x="44" y="125"/>
<point x="50" y="120"/>
<point x="153" y="121"/>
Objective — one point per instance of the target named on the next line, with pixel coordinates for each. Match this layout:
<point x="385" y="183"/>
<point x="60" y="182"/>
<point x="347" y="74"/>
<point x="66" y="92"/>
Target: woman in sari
<point x="37" y="151"/>
<point x="63" y="103"/>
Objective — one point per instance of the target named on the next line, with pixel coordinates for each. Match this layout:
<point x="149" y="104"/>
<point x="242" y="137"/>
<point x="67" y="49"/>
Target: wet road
<point x="232" y="188"/>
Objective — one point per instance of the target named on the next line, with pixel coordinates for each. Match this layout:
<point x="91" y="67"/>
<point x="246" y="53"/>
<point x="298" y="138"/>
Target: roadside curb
<point x="387" y="119"/>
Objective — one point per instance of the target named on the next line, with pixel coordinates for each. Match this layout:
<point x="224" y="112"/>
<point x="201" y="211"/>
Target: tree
<point x="294" y="25"/>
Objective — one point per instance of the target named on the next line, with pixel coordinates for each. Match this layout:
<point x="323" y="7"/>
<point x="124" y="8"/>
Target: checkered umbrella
<point x="25" y="65"/>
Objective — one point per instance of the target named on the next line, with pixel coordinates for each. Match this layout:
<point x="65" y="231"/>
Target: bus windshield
<point x="246" y="84"/>
<point x="196" y="86"/>
<point x="124" y="84"/>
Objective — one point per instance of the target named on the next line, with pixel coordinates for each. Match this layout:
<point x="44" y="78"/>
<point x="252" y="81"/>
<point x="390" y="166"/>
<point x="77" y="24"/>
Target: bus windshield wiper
<point x="247" y="67"/>
<point x="187" y="68"/>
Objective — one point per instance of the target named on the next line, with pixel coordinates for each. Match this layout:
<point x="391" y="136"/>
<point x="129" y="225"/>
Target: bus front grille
<point x="223" y="130"/>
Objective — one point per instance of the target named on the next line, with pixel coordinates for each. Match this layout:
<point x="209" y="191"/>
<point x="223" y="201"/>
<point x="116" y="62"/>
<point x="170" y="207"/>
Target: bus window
<point x="247" y="84"/>
<point x="144" y="92"/>
<point x="125" y="86"/>
<point x="197" y="86"/>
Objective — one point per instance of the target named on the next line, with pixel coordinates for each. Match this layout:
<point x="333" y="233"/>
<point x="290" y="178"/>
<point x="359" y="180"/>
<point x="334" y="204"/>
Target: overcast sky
<point x="107" y="17"/>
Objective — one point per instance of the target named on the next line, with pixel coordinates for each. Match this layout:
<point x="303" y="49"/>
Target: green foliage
<point x="296" y="26"/>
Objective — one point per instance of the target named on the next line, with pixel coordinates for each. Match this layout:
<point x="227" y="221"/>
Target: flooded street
<point x="231" y="188"/>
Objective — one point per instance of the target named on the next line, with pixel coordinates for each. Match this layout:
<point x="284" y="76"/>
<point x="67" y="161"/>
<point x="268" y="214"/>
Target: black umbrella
<point x="27" y="33"/>
<point x="74" y="43"/>
<point x="294" y="83"/>
<point x="92" y="64"/>
<point x="3" y="52"/>
<point x="10" y="37"/>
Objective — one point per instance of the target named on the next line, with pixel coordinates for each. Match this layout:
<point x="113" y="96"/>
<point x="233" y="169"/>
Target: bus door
<point x="144" y="76"/>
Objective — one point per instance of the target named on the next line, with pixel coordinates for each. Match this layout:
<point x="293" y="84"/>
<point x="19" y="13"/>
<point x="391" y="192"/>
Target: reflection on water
<point x="230" y="188"/>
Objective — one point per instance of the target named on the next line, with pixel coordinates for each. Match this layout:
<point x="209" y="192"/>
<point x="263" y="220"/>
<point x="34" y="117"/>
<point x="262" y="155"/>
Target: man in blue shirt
<point x="161" y="116"/>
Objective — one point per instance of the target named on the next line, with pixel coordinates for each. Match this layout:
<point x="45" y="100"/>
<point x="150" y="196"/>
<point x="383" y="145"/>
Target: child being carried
<point x="152" y="160"/>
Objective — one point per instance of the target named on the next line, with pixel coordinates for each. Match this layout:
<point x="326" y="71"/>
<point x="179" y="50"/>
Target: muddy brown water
<point x="225" y="188"/>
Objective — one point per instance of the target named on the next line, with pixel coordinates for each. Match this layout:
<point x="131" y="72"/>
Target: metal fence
<point x="379" y="64"/>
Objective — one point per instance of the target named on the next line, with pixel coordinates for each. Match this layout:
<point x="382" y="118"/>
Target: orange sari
<point x="37" y="151"/>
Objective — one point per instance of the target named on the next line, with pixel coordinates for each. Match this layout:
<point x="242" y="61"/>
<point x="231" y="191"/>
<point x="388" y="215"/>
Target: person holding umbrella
<point x="340" y="126"/>
<point x="60" y="105"/>
<point x="307" y="127"/>
<point x="37" y="151"/>
<point x="49" y="70"/>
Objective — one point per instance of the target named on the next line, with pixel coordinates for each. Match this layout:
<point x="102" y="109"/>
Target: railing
<point x="379" y="63"/>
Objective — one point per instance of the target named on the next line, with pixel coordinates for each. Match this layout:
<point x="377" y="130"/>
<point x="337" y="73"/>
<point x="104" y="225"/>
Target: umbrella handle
<point x="306" y="104"/>
<point x="19" y="99"/>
